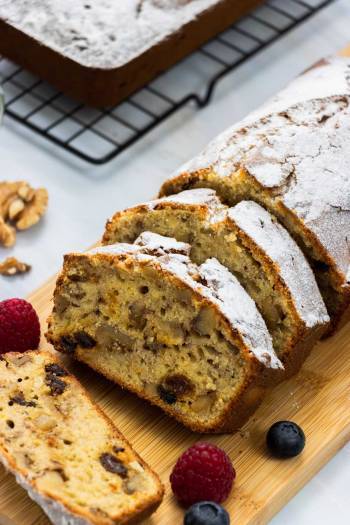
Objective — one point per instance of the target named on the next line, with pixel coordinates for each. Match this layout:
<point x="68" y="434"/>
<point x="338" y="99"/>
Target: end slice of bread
<point x="187" y="338"/>
<point x="64" y="451"/>
<point x="251" y="243"/>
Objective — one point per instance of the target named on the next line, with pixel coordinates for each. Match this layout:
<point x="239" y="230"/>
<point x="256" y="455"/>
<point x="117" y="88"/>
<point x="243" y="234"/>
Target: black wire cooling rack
<point x="98" y="136"/>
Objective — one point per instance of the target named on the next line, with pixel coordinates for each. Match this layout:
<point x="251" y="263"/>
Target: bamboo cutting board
<point x="318" y="399"/>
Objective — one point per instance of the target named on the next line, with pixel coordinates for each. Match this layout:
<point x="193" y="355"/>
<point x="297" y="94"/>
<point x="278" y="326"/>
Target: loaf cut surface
<point x="187" y="338"/>
<point x="293" y="157"/>
<point x="64" y="451"/>
<point x="254" y="247"/>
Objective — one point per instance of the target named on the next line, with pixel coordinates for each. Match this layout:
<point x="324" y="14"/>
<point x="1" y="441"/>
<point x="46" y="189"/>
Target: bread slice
<point x="293" y="157"/>
<point x="252" y="245"/>
<point x="187" y="338"/>
<point x="64" y="451"/>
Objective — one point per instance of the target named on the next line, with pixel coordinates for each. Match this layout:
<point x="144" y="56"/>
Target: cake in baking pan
<point x="101" y="51"/>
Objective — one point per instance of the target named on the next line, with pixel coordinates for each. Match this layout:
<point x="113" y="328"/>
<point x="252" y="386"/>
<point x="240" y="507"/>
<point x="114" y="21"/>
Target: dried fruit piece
<point x="166" y="395"/>
<point x="84" y="339"/>
<point x="178" y="384"/>
<point x="113" y="464"/>
<point x="56" y="385"/>
<point x="12" y="266"/>
<point x="56" y="370"/>
<point x="19" y="400"/>
<point x="68" y="344"/>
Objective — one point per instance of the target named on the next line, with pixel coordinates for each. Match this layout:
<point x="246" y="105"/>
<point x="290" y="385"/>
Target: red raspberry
<point x="19" y="326"/>
<point x="203" y="473"/>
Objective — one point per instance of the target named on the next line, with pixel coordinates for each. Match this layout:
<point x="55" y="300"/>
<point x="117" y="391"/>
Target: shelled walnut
<point x="12" y="266"/>
<point x="21" y="207"/>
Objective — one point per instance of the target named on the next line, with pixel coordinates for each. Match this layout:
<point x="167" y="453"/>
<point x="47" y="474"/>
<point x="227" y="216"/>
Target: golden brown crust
<point x="142" y="510"/>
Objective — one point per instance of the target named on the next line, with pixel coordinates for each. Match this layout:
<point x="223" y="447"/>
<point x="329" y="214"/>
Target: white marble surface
<point x="83" y="196"/>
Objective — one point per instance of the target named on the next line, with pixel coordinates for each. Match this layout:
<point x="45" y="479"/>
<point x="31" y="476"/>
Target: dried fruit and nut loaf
<point x="293" y="157"/>
<point x="187" y="338"/>
<point x="64" y="451"/>
<point x="252" y="245"/>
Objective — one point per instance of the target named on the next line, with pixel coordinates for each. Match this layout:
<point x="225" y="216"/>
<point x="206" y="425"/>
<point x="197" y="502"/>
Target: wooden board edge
<point x="280" y="500"/>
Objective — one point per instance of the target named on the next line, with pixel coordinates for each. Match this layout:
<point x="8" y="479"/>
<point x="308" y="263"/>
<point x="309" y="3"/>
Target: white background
<point x="82" y="197"/>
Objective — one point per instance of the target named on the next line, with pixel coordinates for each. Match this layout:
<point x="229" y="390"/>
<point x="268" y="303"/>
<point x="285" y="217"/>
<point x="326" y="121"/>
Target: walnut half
<point x="12" y="266"/>
<point x="21" y="207"/>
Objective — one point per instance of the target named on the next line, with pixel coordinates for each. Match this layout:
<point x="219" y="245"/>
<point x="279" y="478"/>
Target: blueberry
<point x="206" y="513"/>
<point x="285" y="439"/>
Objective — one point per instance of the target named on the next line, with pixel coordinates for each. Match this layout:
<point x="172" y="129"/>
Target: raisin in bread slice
<point x="293" y="157"/>
<point x="252" y="245"/>
<point x="64" y="451"/>
<point x="187" y="338"/>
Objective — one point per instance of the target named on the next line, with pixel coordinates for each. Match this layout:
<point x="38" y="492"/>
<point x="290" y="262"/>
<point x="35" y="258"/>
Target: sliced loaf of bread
<point x="293" y="157"/>
<point x="254" y="247"/>
<point x="187" y="338"/>
<point x="64" y="451"/>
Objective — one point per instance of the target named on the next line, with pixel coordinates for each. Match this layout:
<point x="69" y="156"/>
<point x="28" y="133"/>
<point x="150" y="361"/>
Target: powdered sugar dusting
<point x="155" y="242"/>
<point x="217" y="284"/>
<point x="200" y="196"/>
<point x="225" y="290"/>
<point x="278" y="245"/>
<point x="104" y="33"/>
<point x="317" y="83"/>
<point x="197" y="197"/>
<point x="151" y="247"/>
<point x="205" y="197"/>
<point x="115" y="249"/>
<point x="301" y="154"/>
